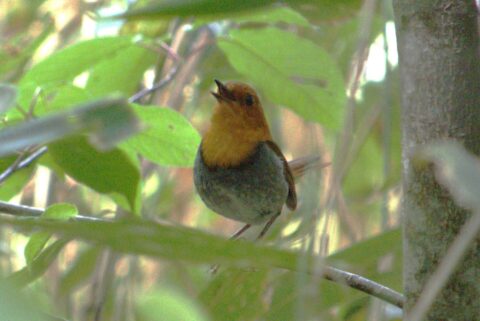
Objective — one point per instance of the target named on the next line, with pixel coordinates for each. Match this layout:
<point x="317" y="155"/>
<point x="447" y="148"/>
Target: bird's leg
<point x="267" y="226"/>
<point x="214" y="268"/>
<point x="240" y="231"/>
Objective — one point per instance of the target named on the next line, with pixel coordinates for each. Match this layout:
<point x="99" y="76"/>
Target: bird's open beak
<point x="222" y="92"/>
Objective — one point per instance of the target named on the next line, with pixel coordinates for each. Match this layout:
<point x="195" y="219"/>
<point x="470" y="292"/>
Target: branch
<point x="21" y="162"/>
<point x="365" y="285"/>
<point x="328" y="272"/>
<point x="28" y="211"/>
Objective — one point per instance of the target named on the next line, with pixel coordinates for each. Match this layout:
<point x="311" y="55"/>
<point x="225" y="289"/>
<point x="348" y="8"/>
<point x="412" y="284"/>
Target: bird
<point x="239" y="171"/>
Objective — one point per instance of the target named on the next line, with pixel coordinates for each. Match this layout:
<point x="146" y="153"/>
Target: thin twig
<point x="22" y="162"/>
<point x="365" y="285"/>
<point x="449" y="262"/>
<point x="28" y="211"/>
<point x="159" y="85"/>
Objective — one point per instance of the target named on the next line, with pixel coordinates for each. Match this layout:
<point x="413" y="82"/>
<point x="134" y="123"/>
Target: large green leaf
<point x="121" y="73"/>
<point x="113" y="172"/>
<point x="64" y="97"/>
<point x="68" y="63"/>
<point x="168" y="139"/>
<point x="290" y="70"/>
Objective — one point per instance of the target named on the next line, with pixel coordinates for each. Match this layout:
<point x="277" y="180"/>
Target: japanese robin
<point x="239" y="171"/>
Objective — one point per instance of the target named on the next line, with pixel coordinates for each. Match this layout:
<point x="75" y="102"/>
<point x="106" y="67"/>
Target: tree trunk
<point x="438" y="45"/>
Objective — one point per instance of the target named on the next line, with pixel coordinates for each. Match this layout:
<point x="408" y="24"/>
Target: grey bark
<point x="438" y="46"/>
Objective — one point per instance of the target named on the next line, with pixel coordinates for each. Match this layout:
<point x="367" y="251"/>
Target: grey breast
<point x="250" y="193"/>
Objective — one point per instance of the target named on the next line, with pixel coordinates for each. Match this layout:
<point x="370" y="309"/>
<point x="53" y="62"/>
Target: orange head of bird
<point x="238" y="124"/>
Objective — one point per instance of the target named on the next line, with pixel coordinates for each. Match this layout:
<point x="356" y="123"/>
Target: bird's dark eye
<point x="249" y="100"/>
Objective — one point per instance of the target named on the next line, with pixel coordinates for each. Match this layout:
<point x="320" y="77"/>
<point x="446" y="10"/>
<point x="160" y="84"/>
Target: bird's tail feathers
<point x="300" y="165"/>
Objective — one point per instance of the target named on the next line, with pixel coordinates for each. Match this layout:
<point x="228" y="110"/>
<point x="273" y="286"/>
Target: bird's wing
<point x="292" y="194"/>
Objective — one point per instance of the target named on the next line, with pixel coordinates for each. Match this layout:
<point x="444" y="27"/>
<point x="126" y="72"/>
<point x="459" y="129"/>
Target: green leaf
<point x="291" y="71"/>
<point x="122" y="73"/>
<point x="456" y="169"/>
<point x="8" y="96"/>
<point x="108" y="121"/>
<point x="169" y="139"/>
<point x="39" y="265"/>
<point x="112" y="172"/>
<point x="66" y="64"/>
<point x="64" y="97"/>
<point x="36" y="243"/>
<point x="168" y="304"/>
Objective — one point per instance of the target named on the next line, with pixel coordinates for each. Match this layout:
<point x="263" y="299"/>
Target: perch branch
<point x="328" y="272"/>
<point x="29" y="211"/>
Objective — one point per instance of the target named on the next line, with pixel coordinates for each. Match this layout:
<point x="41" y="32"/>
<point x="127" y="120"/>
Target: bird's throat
<point x="230" y="142"/>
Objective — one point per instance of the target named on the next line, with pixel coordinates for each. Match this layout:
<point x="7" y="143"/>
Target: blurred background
<point x="326" y="72"/>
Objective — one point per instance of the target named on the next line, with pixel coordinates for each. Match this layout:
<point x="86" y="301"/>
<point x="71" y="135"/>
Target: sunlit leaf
<point x="68" y="63"/>
<point x="120" y="73"/>
<point x="168" y="138"/>
<point x="290" y="71"/>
